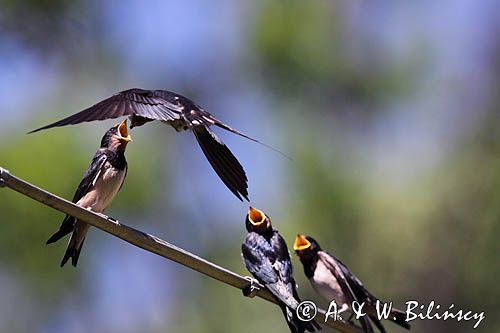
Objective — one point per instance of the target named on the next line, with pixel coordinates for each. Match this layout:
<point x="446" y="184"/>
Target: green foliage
<point x="308" y="48"/>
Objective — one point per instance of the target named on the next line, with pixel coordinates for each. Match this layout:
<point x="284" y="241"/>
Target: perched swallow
<point x="334" y="281"/>
<point x="266" y="256"/>
<point x="181" y="113"/>
<point x="100" y="184"/>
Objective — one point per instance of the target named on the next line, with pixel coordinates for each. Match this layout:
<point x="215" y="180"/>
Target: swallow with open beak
<point x="100" y="184"/>
<point x="334" y="281"/>
<point x="266" y="256"/>
<point x="181" y="113"/>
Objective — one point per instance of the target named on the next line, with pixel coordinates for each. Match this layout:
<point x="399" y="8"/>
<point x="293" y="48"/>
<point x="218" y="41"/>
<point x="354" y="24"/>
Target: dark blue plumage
<point x="101" y="182"/>
<point x="333" y="280"/>
<point x="266" y="256"/>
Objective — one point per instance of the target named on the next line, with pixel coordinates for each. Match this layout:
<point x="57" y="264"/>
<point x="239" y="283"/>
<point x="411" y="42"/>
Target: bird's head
<point x="257" y="221"/>
<point x="305" y="246"/>
<point x="117" y="137"/>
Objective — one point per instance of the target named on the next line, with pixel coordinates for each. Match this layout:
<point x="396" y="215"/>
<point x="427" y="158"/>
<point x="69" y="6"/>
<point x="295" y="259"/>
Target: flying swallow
<point x="334" y="281"/>
<point x="181" y="113"/>
<point x="100" y="184"/>
<point x="266" y="256"/>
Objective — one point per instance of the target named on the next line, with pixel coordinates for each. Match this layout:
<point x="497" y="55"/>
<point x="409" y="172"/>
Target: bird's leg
<point x="252" y="288"/>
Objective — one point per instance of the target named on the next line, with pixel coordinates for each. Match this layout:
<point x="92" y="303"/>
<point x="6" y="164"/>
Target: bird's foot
<point x="104" y="216"/>
<point x="252" y="288"/>
<point x="109" y="218"/>
<point x="3" y="173"/>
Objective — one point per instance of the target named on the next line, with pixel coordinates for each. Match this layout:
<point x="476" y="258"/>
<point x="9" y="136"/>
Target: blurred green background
<point x="389" y="111"/>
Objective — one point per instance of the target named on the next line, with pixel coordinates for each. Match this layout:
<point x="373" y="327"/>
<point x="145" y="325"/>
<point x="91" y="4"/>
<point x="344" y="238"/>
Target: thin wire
<point x="150" y="243"/>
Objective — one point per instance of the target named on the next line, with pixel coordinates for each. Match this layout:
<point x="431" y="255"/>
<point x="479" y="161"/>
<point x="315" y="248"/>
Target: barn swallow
<point x="334" y="281"/>
<point x="181" y="113"/>
<point x="266" y="256"/>
<point x="100" y="184"/>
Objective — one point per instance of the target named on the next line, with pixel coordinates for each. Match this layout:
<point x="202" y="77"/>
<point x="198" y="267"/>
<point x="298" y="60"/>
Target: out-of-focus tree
<point x="339" y="93"/>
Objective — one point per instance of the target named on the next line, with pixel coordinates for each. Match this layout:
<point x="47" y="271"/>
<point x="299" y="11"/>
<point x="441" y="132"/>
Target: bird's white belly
<point x="104" y="190"/>
<point x="178" y="124"/>
<point x="326" y="284"/>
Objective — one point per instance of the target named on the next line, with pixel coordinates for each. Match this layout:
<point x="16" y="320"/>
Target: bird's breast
<point x="104" y="190"/>
<point x="325" y="284"/>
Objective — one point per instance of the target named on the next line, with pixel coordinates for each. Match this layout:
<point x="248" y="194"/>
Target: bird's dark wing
<point x="185" y="104"/>
<point x="258" y="256"/>
<point x="222" y="161"/>
<point x="260" y="259"/>
<point x="283" y="261"/>
<point x="125" y="176"/>
<point x="345" y="279"/>
<point x="364" y="295"/>
<point x="283" y="265"/>
<point x="145" y="103"/>
<point x="91" y="175"/>
<point x="85" y="185"/>
<point x="266" y="262"/>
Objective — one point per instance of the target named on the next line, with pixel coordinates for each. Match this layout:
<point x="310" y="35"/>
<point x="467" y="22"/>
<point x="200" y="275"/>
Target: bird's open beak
<point x="301" y="243"/>
<point x="123" y="131"/>
<point x="255" y="216"/>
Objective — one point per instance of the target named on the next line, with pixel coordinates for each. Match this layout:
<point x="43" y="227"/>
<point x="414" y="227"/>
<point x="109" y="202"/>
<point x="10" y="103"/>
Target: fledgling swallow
<point x="334" y="281"/>
<point x="102" y="181"/>
<point x="181" y="113"/>
<point x="266" y="256"/>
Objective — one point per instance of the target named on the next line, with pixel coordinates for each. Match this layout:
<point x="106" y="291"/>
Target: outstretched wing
<point x="346" y="281"/>
<point x="145" y="103"/>
<point x="85" y="185"/>
<point x="222" y="161"/>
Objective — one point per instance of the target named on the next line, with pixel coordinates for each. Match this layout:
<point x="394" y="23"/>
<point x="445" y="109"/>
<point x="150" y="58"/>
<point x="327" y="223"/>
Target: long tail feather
<point x="232" y="130"/>
<point x="294" y="326"/>
<point x="65" y="228"/>
<point x="399" y="317"/>
<point x="377" y="323"/>
<point x="75" y="243"/>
